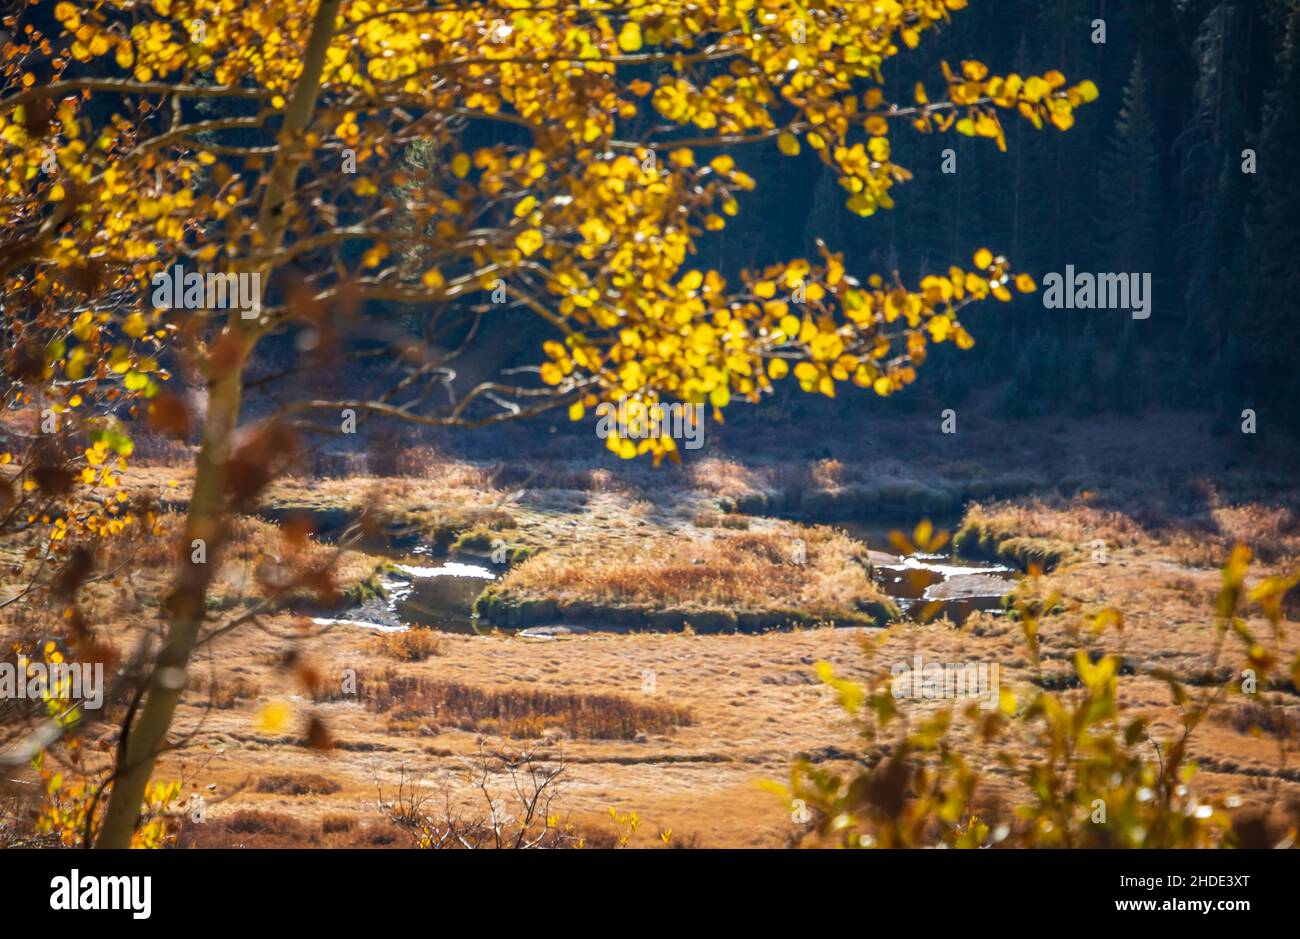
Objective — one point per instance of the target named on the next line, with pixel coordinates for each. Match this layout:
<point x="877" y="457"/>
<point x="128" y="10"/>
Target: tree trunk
<point x="184" y="607"/>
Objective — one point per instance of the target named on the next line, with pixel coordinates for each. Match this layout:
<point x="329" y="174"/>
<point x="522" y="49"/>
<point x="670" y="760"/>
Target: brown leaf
<point x="298" y="528"/>
<point x="262" y="453"/>
<point x="226" y="353"/>
<point x="321" y="582"/>
<point x="87" y="278"/>
<point x="318" y="735"/>
<point x="309" y="677"/>
<point x="54" y="480"/>
<point x="73" y="573"/>
<point x="301" y="300"/>
<point x="901" y="543"/>
<point x="38" y="117"/>
<point x="888" y="786"/>
<point x="27" y="364"/>
<point x="169" y="415"/>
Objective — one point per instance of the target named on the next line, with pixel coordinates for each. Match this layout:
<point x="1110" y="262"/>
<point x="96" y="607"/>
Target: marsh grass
<point x="303" y="784"/>
<point x="518" y="712"/>
<point x="824" y="578"/>
<point x="410" y="645"/>
<point x="1051" y="531"/>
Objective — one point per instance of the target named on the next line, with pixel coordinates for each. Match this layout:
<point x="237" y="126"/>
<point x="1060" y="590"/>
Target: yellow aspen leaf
<point x="683" y="157"/>
<point x="1007" y="701"/>
<point x="629" y="37"/>
<point x="529" y="241"/>
<point x="273" y="717"/>
<point x="1087" y="91"/>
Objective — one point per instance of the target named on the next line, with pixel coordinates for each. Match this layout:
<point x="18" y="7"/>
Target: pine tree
<point x="1273" y="236"/>
<point x="1209" y="150"/>
<point x="1130" y="188"/>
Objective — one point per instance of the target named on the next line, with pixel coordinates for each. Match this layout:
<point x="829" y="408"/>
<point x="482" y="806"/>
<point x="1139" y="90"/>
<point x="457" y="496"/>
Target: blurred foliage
<point x="70" y="811"/>
<point x="1085" y="774"/>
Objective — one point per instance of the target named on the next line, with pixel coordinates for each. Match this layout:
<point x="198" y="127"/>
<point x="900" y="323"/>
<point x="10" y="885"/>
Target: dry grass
<point x="256" y="828"/>
<point x="307" y="784"/>
<point x="225" y="694"/>
<point x="469" y="487"/>
<point x="519" y="712"/>
<point x="1061" y="529"/>
<point x="409" y="645"/>
<point x="257" y="558"/>
<point x="1073" y="522"/>
<point x="739" y="571"/>
<point x="1252" y="717"/>
<point x="1271" y="531"/>
<point x="1034" y="532"/>
<point x="332" y="824"/>
<point x="440" y="472"/>
<point x="720" y="520"/>
<point x="727" y="478"/>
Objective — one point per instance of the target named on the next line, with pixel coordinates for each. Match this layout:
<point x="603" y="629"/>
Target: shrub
<point x="409" y="645"/>
<point x="1095" y="778"/>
